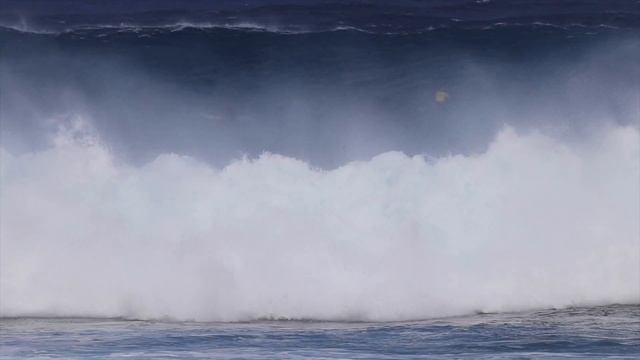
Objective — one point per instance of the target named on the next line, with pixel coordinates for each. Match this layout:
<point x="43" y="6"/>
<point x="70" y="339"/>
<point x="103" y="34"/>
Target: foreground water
<point x="596" y="332"/>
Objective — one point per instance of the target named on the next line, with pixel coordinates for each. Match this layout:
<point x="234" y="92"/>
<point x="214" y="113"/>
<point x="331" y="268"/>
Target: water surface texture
<point x="287" y="178"/>
<point x="596" y="332"/>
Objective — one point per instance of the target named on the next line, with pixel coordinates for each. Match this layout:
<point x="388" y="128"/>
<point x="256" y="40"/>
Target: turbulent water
<point x="529" y="223"/>
<point x="361" y="162"/>
<point x="599" y="332"/>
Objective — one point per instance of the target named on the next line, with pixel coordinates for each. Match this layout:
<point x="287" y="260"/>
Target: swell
<point x="233" y="92"/>
<point x="575" y="26"/>
<point x="532" y="222"/>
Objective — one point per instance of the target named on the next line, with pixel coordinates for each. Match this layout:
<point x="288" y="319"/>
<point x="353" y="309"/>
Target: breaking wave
<point x="532" y="222"/>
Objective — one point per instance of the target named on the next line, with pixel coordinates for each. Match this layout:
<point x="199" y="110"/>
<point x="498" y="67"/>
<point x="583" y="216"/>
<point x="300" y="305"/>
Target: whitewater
<point x="534" y="221"/>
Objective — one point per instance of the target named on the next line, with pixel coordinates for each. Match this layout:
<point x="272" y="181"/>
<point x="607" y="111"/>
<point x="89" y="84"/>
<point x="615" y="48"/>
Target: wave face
<point x="361" y="161"/>
<point x="375" y="16"/>
<point x="529" y="223"/>
<point x="327" y="89"/>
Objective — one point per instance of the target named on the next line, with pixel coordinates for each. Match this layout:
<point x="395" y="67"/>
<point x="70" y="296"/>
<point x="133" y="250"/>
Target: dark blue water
<point x="597" y="332"/>
<point x="323" y="82"/>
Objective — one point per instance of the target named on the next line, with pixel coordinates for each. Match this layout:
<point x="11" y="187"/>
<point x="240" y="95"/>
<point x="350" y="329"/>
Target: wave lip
<point x="452" y="24"/>
<point x="181" y="26"/>
<point x="531" y="223"/>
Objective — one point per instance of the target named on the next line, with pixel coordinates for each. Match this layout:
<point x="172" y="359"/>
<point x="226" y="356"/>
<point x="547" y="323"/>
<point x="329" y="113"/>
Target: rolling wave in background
<point x="326" y="162"/>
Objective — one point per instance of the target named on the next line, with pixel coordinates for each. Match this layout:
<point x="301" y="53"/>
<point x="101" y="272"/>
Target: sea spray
<point x="532" y="222"/>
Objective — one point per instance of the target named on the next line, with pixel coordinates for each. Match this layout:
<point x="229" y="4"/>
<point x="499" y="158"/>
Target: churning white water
<point x="532" y="222"/>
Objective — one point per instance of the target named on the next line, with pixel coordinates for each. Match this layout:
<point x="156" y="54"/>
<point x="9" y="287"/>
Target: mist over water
<point x="326" y="98"/>
<point x="236" y="170"/>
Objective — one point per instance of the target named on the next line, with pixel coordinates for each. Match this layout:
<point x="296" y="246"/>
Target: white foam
<point x="532" y="222"/>
<point x="182" y="25"/>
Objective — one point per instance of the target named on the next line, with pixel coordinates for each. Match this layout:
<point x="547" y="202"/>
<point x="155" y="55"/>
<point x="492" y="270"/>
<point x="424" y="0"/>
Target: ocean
<point x="574" y="333"/>
<point x="320" y="179"/>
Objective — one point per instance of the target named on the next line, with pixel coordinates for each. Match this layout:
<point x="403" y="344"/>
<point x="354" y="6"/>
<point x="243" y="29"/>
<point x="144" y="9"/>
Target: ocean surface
<point x="575" y="333"/>
<point x="320" y="179"/>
